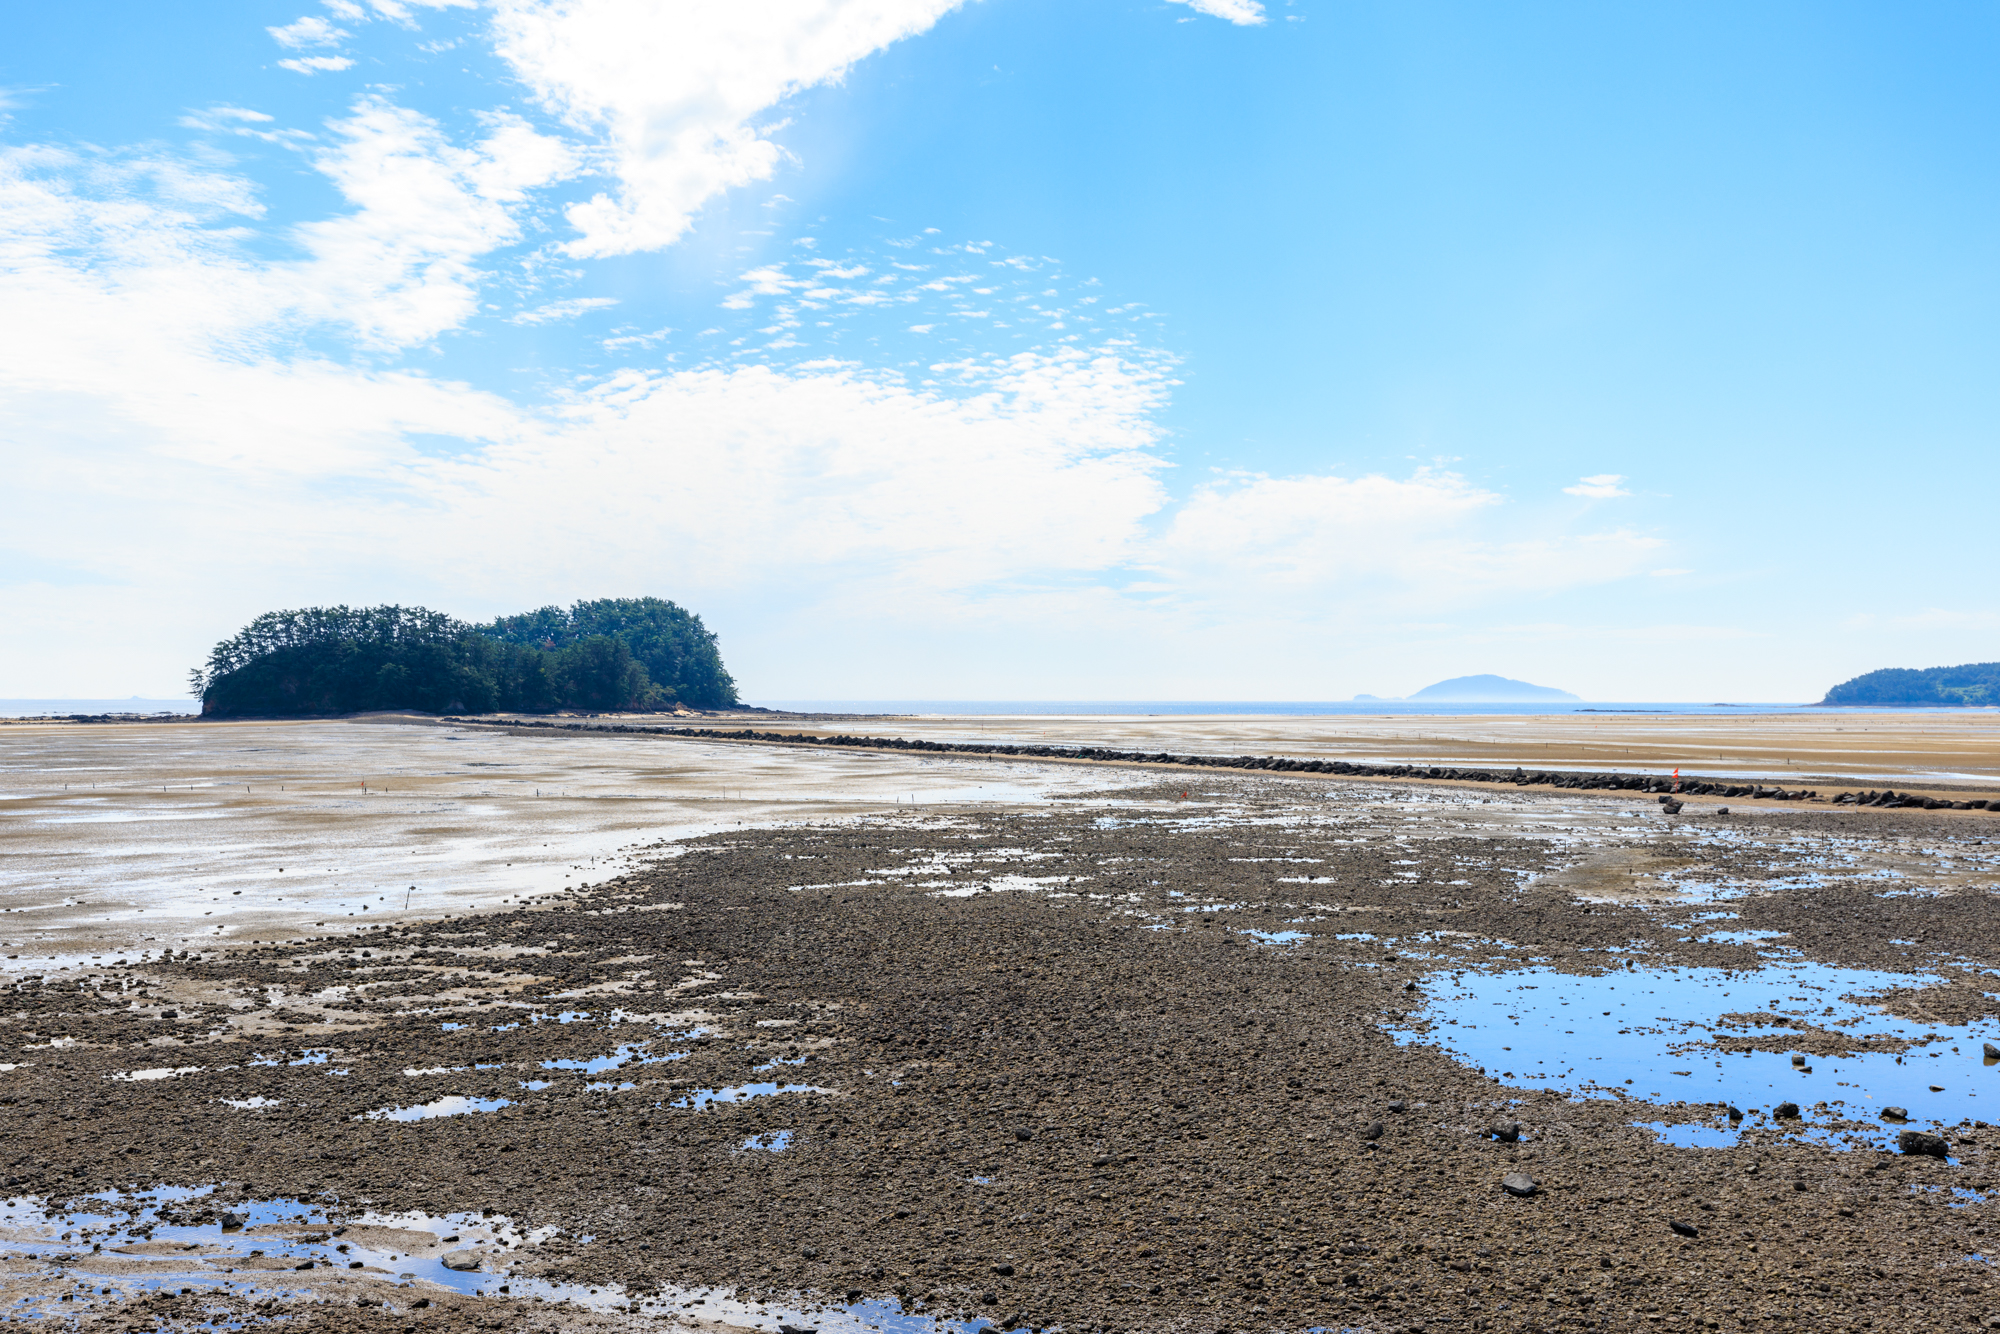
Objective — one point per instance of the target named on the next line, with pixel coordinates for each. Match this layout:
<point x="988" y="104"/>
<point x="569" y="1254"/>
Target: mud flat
<point x="1122" y="1060"/>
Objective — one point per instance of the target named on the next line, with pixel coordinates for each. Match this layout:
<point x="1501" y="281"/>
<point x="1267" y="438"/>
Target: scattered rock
<point x="1798" y="1060"/>
<point x="1895" y="1114"/>
<point x="1396" y="1106"/>
<point x="1992" y="1052"/>
<point x="1373" y="1130"/>
<point x="1684" y="1229"/>
<point x="1922" y="1143"/>
<point x="1519" y="1183"/>
<point x="1786" y="1111"/>
<point x="464" y="1261"/>
<point x="1004" y="1271"/>
<point x="230" y="1222"/>
<point x="1735" y="1112"/>
<point x="1509" y="1133"/>
<point x="1024" y="1134"/>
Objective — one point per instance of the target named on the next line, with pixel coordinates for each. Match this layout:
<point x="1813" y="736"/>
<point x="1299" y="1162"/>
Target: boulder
<point x="1923" y="1143"/>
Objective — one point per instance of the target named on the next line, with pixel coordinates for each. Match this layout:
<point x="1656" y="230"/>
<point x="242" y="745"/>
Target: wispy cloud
<point x="562" y="310"/>
<point x="317" y="64"/>
<point x="309" y="31"/>
<point x="674" y="91"/>
<point x="1604" y="486"/>
<point x="1248" y="13"/>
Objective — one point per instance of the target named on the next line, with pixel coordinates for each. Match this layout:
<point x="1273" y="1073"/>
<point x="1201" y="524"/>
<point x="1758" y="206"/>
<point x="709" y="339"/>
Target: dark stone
<point x="1992" y="1050"/>
<point x="1684" y="1229"/>
<point x="1004" y="1271"/>
<point x="1519" y="1183"/>
<point x="989" y="1298"/>
<point x="1509" y="1133"/>
<point x="230" y="1222"/>
<point x="798" y="1329"/>
<point x="1024" y="1134"/>
<point x="1798" y="1060"/>
<point x="1922" y="1143"/>
<point x="1722" y="810"/>
<point x="1895" y="1114"/>
<point x="810" y="1252"/>
<point x="1786" y="1111"/>
<point x="1373" y="1130"/>
<point x="1671" y="808"/>
<point x="1735" y="1112"/>
<point x="1396" y="1106"/>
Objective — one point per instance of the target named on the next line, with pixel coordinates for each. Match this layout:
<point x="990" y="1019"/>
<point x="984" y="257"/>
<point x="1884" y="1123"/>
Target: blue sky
<point x="1013" y="349"/>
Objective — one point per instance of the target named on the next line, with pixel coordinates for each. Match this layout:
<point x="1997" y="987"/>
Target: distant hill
<point x="1968" y="686"/>
<point x="1489" y="690"/>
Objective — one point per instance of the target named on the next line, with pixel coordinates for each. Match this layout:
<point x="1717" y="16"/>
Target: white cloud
<point x="1604" y="486"/>
<point x="308" y="31"/>
<point x="673" y="91"/>
<point x="1417" y="542"/>
<point x="563" y="310"/>
<point x="317" y="64"/>
<point x="1248" y="13"/>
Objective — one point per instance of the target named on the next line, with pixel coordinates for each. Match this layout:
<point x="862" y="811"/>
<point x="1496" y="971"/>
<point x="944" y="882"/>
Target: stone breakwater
<point x="1518" y="777"/>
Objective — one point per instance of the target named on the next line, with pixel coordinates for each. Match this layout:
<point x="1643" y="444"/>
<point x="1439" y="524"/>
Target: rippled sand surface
<point x="152" y="836"/>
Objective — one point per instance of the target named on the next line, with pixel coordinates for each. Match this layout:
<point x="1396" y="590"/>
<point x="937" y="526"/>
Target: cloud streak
<point x="672" y="93"/>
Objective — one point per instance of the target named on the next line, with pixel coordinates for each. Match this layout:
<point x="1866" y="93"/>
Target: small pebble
<point x="1519" y="1183"/>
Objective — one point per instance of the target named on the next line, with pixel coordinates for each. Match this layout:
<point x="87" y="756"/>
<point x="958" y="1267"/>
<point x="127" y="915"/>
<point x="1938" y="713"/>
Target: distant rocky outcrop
<point x="1489" y="690"/>
<point x="1971" y="685"/>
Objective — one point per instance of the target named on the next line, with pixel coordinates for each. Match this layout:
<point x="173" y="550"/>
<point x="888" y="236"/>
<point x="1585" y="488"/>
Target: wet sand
<point x="1862" y="747"/>
<point x="128" y="838"/>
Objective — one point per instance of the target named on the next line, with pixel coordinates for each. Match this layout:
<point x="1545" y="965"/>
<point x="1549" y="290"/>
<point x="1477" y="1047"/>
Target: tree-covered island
<point x="1967" y="686"/>
<point x="611" y="655"/>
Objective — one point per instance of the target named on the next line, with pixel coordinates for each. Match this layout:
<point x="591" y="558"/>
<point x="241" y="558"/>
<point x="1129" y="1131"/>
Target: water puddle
<point x="624" y="1055"/>
<point x="1792" y="1031"/>
<point x="455" y="1105"/>
<point x="700" y="1099"/>
<point x="108" y="1248"/>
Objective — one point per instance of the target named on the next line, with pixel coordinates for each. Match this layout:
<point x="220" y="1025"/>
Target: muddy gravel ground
<point x="1136" y="1062"/>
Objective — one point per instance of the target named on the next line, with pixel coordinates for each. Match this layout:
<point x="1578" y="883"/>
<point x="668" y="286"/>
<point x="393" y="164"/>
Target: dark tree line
<point x="611" y="655"/>
<point x="1972" y="684"/>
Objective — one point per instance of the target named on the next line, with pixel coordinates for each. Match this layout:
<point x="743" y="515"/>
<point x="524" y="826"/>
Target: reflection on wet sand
<point x="158" y="836"/>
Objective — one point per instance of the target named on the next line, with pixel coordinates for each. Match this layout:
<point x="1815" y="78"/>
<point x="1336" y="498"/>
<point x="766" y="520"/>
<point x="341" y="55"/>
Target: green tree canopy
<point x="1971" y="684"/>
<point x="678" y="652"/>
<point x="598" y="656"/>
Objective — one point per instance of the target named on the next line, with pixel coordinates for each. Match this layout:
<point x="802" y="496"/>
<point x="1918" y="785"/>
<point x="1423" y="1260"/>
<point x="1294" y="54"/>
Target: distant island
<point x="614" y="655"/>
<point x="1971" y="685"/>
<point x="1479" y="690"/>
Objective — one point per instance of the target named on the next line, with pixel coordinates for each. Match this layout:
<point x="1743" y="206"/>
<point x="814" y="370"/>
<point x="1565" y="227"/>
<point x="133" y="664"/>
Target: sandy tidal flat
<point x="155" y="836"/>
